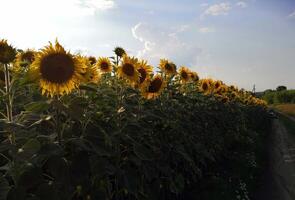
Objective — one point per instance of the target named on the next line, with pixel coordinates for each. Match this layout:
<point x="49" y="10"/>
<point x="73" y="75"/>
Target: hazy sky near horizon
<point x="242" y="42"/>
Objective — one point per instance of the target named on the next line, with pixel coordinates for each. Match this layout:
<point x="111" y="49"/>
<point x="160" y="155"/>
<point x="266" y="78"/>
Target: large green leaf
<point x="4" y="188"/>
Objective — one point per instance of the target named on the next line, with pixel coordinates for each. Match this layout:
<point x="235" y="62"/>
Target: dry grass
<point x="288" y="109"/>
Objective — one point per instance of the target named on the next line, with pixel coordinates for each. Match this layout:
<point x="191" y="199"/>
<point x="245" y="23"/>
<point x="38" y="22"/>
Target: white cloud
<point x="204" y="4"/>
<point x="159" y="42"/>
<point x="206" y="30"/>
<point x="218" y="9"/>
<point x="97" y="4"/>
<point x="292" y="15"/>
<point x="31" y="23"/>
<point x="242" y="4"/>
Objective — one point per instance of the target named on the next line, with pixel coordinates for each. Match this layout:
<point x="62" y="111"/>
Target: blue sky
<point x="243" y="42"/>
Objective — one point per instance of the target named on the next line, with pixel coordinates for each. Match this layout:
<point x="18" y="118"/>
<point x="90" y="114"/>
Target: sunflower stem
<point x="8" y="101"/>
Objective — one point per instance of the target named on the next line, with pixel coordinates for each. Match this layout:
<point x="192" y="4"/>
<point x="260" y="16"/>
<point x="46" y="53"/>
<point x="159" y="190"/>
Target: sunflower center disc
<point x="128" y="69"/>
<point x="205" y="86"/>
<point x="155" y="85"/>
<point x="57" y="68"/>
<point x="184" y="75"/>
<point x="142" y="75"/>
<point x="104" y="66"/>
<point x="28" y="56"/>
<point x="168" y="67"/>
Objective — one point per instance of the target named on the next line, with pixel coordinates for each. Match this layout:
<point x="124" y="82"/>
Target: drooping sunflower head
<point x="104" y="65"/>
<point x="7" y="52"/>
<point x="119" y="51"/>
<point x="194" y="76"/>
<point x="167" y="67"/>
<point x="154" y="87"/>
<point x="92" y="60"/>
<point x="58" y="71"/>
<point x="24" y="59"/>
<point x="184" y="74"/>
<point x="145" y="71"/>
<point x="129" y="69"/>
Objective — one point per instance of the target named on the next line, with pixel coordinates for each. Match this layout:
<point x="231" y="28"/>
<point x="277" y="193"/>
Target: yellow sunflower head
<point x="184" y="74"/>
<point x="154" y="87"/>
<point x="7" y="52"/>
<point x="167" y="67"/>
<point x="145" y="71"/>
<point x="205" y="85"/>
<point x="194" y="76"/>
<point x="58" y="71"/>
<point x="129" y="69"/>
<point x="217" y="84"/>
<point x="24" y="59"/>
<point x="221" y="90"/>
<point x="91" y="75"/>
<point x="104" y="65"/>
<point x="92" y="60"/>
<point x="119" y="51"/>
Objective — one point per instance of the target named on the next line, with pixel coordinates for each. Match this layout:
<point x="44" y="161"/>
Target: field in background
<point x="288" y="109"/>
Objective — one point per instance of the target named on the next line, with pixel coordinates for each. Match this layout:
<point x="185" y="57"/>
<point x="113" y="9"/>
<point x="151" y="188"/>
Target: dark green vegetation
<point x="289" y="124"/>
<point x="279" y="96"/>
<point x="115" y="145"/>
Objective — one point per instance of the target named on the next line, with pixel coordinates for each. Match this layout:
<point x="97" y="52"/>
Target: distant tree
<point x="281" y="88"/>
<point x="267" y="91"/>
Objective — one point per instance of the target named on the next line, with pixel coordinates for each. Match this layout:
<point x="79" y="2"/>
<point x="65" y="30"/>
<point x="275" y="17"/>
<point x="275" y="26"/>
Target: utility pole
<point x="254" y="90"/>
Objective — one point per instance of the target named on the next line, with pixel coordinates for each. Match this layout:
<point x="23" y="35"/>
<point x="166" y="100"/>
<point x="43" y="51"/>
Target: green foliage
<point x="116" y="145"/>
<point x="278" y="97"/>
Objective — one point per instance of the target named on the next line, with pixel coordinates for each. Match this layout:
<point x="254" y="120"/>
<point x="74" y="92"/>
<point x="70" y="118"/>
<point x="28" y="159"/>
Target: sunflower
<point x="205" y="85"/>
<point x="154" y="87"/>
<point x="24" y="59"/>
<point x="119" y="51"/>
<point x="58" y="71"/>
<point x="221" y="90"/>
<point x="129" y="69"/>
<point x="92" y="60"/>
<point x="104" y="65"/>
<point x="89" y="73"/>
<point x="145" y="71"/>
<point x="167" y="67"/>
<point x="184" y="74"/>
<point x="7" y="52"/>
<point x="217" y="84"/>
<point x="194" y="76"/>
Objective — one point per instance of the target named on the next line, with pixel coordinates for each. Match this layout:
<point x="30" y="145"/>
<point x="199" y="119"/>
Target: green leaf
<point x="37" y="107"/>
<point x="4" y="188"/>
<point x="142" y="152"/>
<point x="16" y="193"/>
<point x="30" y="148"/>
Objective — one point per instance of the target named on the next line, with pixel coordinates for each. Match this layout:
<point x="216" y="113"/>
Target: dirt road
<point x="282" y="161"/>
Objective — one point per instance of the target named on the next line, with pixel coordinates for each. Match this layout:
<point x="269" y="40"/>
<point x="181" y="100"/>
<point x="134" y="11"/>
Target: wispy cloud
<point x="218" y="9"/>
<point x="206" y="30"/>
<point x="97" y="4"/>
<point x="292" y="15"/>
<point x="242" y="4"/>
<point x="159" y="42"/>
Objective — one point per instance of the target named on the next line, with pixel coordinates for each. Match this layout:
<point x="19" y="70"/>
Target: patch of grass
<point x="289" y="124"/>
<point x="288" y="109"/>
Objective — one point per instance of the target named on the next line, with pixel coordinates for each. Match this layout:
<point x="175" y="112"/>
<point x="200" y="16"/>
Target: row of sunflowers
<point x="114" y="128"/>
<point x="59" y="72"/>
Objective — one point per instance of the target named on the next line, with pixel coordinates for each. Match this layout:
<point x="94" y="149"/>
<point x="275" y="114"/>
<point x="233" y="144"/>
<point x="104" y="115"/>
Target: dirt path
<point x="282" y="161"/>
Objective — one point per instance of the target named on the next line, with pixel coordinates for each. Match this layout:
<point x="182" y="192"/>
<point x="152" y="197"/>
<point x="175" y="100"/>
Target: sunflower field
<point x="85" y="128"/>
